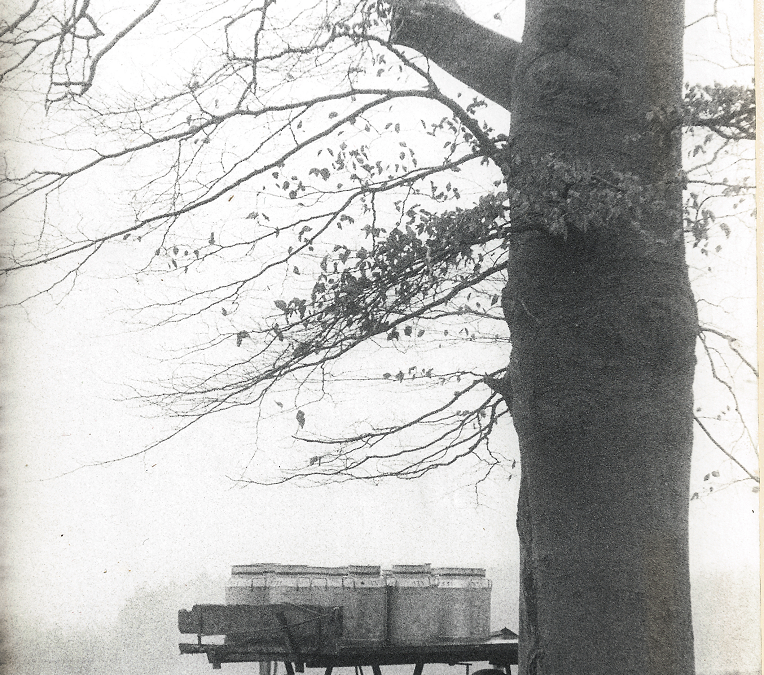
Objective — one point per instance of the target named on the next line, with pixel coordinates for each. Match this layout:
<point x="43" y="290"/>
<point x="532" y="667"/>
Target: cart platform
<point x="304" y="636"/>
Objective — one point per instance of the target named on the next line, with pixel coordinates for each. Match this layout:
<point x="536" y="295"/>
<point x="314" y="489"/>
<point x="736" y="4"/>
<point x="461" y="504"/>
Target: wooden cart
<point x="304" y="636"/>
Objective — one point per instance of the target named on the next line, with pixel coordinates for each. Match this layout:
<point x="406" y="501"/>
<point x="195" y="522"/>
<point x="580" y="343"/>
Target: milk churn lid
<point x="412" y="569"/>
<point x="459" y="571"/>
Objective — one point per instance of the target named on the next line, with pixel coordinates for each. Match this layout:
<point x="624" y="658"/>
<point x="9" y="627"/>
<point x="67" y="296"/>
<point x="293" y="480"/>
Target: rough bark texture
<point x="468" y="51"/>
<point x="603" y="328"/>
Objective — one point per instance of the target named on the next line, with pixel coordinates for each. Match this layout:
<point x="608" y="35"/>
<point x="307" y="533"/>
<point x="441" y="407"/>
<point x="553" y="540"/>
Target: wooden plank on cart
<point x="499" y="651"/>
<point x="279" y="628"/>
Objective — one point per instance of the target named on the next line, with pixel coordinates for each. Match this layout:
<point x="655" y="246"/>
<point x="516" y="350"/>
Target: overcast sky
<point x="83" y="541"/>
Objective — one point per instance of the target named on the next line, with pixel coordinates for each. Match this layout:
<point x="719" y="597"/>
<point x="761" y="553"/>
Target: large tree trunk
<point x="603" y="329"/>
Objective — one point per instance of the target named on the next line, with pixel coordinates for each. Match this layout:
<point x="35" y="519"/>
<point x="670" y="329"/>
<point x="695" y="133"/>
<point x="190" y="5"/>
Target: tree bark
<point x="603" y="328"/>
<point x="477" y="56"/>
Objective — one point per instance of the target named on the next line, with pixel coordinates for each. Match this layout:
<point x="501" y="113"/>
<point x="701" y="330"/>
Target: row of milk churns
<point x="406" y="605"/>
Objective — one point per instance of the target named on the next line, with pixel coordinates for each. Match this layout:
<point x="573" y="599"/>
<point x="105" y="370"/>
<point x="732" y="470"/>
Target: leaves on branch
<point x="727" y="110"/>
<point x="359" y="273"/>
